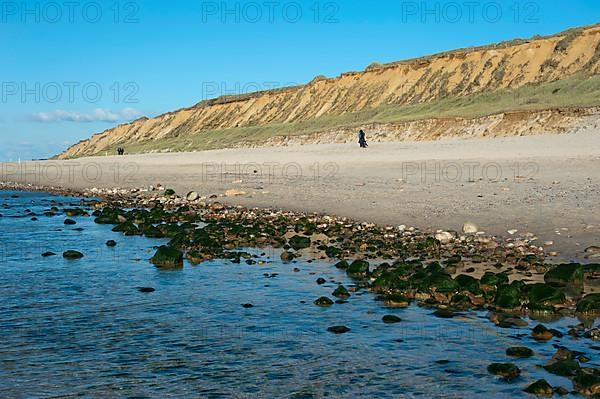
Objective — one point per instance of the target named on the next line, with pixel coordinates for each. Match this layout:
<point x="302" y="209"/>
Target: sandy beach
<point x="546" y="185"/>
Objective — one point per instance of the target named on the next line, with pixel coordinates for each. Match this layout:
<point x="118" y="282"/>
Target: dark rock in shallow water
<point x="540" y="388"/>
<point x="341" y="292"/>
<point x="445" y="314"/>
<point x="72" y="255"/>
<point x="589" y="304"/>
<point x="587" y="382"/>
<point x="396" y="301"/>
<point x="541" y="333"/>
<point x="543" y="296"/>
<point x="494" y="280"/>
<point x="69" y="222"/>
<point x="111" y="243"/>
<point x="287" y="256"/>
<point x="323" y="301"/>
<point x="507" y="371"/>
<point x="167" y="257"/>
<point x="127" y="228"/>
<point x="342" y="265"/>
<point x="299" y="242"/>
<point x="508" y="297"/>
<point x="338" y="329"/>
<point x="47" y="254"/>
<point x="561" y="391"/>
<point x="519" y="351"/>
<point x="358" y="268"/>
<point x="564" y="367"/>
<point x="391" y="319"/>
<point x="247" y="305"/>
<point x="563" y="275"/>
<point x="146" y="289"/>
<point x="321" y="280"/>
<point x="468" y="283"/>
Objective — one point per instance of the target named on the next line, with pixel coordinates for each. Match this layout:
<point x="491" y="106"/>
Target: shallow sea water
<point x="82" y="329"/>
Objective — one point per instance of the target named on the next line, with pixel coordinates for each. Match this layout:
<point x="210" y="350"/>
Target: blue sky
<point x="73" y="69"/>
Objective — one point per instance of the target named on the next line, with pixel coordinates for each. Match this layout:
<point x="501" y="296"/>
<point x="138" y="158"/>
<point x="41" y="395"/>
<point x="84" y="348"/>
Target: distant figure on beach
<point x="362" y="140"/>
<point x="120" y="151"/>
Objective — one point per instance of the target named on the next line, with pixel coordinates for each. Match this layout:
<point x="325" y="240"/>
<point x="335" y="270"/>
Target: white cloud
<point x="96" y="115"/>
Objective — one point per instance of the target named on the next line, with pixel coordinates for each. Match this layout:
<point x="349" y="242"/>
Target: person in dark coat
<point x="362" y="140"/>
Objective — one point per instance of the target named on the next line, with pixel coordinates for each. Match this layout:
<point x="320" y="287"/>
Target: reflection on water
<point x="82" y="328"/>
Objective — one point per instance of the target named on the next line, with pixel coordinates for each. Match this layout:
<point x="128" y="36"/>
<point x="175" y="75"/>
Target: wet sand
<point x="547" y="185"/>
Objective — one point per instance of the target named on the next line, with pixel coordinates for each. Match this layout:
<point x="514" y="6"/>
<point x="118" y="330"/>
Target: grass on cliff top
<point x="576" y="91"/>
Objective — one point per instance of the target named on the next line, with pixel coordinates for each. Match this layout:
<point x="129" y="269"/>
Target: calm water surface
<point x="82" y="329"/>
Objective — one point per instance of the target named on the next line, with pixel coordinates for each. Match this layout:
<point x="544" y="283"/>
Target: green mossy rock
<point x="540" y="388"/>
<point x="167" y="257"/>
<point x="299" y="242"/>
<point x="507" y="371"/>
<point x="127" y="228"/>
<point x="563" y="275"/>
<point x="508" y="297"/>
<point x="341" y="292"/>
<point x="587" y="382"/>
<point x="468" y="283"/>
<point x="442" y="283"/>
<point x="72" y="255"/>
<point x="323" y="302"/>
<point x="589" y="304"/>
<point x="494" y="280"/>
<point x="342" y="265"/>
<point x="358" y="268"/>
<point x="564" y="368"/>
<point x="396" y="301"/>
<point x="333" y="252"/>
<point x="391" y="319"/>
<point x="152" y="232"/>
<point x="338" y="329"/>
<point x="542" y="296"/>
<point x="519" y="351"/>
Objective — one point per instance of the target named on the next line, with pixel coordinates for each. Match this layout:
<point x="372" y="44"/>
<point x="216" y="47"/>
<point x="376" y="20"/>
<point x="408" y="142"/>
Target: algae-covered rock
<point x="396" y="301"/>
<point x="127" y="228"/>
<point x="519" y="351"/>
<point x="507" y="371"/>
<point x="563" y="275"/>
<point x="540" y="388"/>
<point x="564" y="367"/>
<point x="338" y="329"/>
<point x="341" y="292"/>
<point x="167" y="257"/>
<point x="589" y="304"/>
<point x="468" y="283"/>
<point x="391" y="319"/>
<point x="323" y="301"/>
<point x="508" y="296"/>
<point x="494" y="280"/>
<point x="542" y="296"/>
<point x="299" y="242"/>
<point x="587" y="382"/>
<point x="342" y="265"/>
<point x="72" y="255"/>
<point x="358" y="268"/>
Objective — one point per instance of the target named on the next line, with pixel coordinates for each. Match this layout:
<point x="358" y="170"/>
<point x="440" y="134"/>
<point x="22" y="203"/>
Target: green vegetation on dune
<point x="576" y="91"/>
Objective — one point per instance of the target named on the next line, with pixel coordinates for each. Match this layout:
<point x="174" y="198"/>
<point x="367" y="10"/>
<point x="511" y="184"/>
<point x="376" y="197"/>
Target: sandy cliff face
<point x="456" y="73"/>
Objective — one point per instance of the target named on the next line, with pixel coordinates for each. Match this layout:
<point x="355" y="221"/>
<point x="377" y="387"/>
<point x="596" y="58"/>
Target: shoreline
<point x="548" y="187"/>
